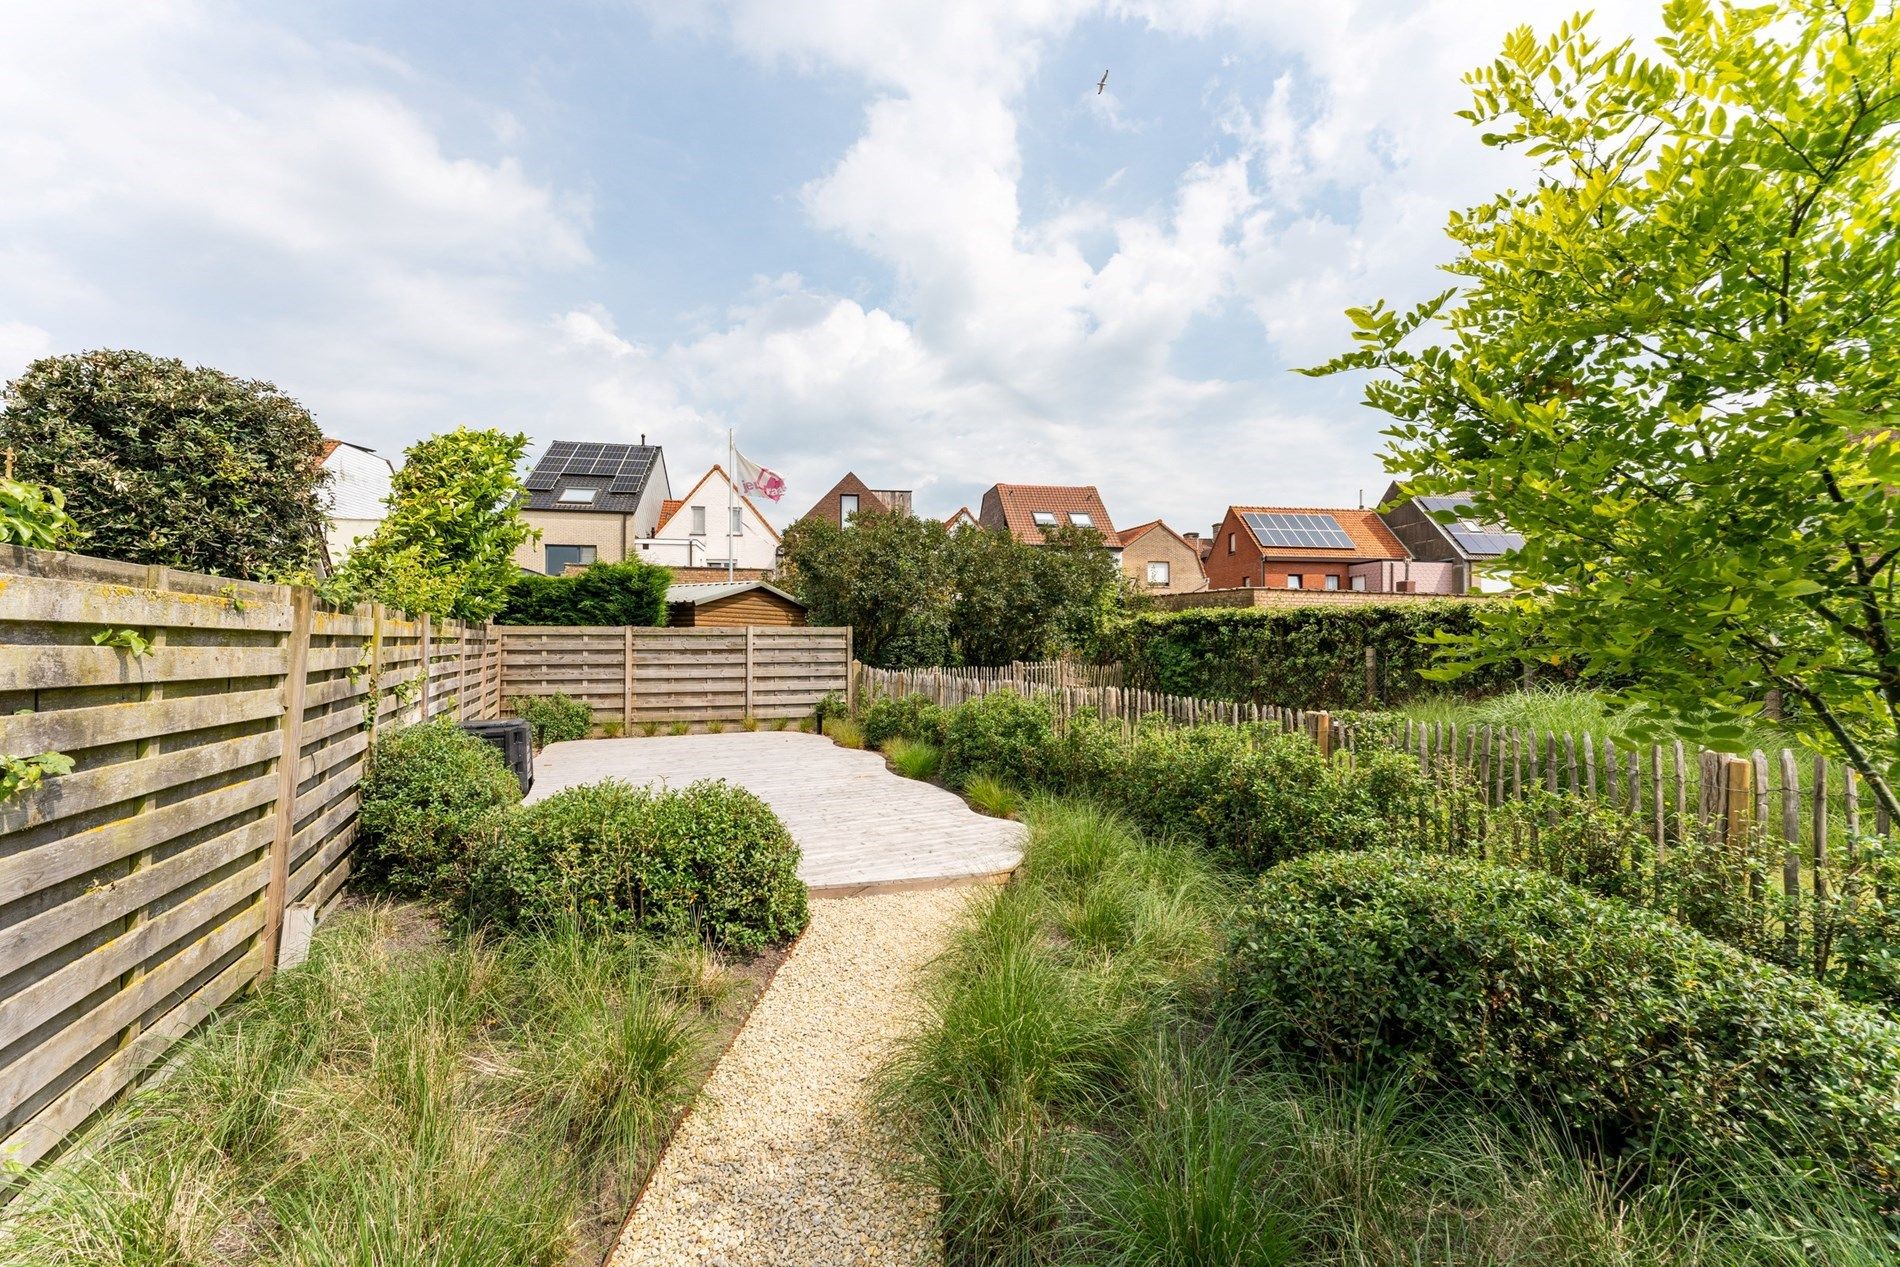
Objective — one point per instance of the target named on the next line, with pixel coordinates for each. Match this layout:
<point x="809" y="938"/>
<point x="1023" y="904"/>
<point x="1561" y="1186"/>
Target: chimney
<point x="1192" y="536"/>
<point x="643" y="439"/>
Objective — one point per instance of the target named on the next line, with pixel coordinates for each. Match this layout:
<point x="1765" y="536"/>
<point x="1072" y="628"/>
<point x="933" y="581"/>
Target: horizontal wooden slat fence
<point x="630" y="676"/>
<point x="215" y="784"/>
<point x="1788" y="828"/>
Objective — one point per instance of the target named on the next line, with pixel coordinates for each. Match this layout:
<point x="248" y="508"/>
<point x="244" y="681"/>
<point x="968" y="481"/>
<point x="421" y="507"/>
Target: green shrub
<point x="844" y="732"/>
<point x="913" y="760"/>
<point x="1642" y="1033"/>
<point x="630" y="593"/>
<point x="914" y="717"/>
<point x="430" y="792"/>
<point x="1002" y="734"/>
<point x="832" y="705"/>
<point x="554" y="718"/>
<point x="710" y="859"/>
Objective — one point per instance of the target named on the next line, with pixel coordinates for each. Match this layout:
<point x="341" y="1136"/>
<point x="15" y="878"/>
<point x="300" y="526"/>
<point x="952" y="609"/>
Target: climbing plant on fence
<point x="1298" y="657"/>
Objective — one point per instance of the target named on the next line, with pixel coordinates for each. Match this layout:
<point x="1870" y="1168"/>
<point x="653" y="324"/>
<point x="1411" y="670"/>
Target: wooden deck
<point x="861" y="828"/>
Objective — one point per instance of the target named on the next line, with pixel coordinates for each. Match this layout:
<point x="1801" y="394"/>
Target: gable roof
<point x="697" y="592"/>
<point x="1132" y="535"/>
<point x="671" y="506"/>
<point x="620" y="473"/>
<point x="897" y="500"/>
<point x="1371" y="539"/>
<point x="360" y="481"/>
<point x="1473" y="541"/>
<point x="961" y="515"/>
<point x="1013" y="507"/>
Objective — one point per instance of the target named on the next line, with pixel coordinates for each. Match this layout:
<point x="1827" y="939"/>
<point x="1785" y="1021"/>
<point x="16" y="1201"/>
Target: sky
<point x="908" y="239"/>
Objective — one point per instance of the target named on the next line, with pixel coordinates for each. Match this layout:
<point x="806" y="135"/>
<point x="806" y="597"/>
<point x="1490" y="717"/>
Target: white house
<point x="355" y="498"/>
<point x="713" y="524"/>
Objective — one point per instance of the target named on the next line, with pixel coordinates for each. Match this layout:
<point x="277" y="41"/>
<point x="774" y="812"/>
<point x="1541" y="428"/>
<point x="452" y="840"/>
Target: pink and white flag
<point x="754" y="478"/>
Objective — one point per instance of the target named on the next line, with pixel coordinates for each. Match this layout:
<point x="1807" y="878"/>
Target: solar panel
<point x="633" y="472"/>
<point x="1309" y="532"/>
<point x="1482" y="539"/>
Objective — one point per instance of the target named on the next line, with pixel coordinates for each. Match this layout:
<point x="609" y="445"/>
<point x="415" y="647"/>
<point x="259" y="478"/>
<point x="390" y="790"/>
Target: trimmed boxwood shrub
<point x="710" y="859"/>
<point x="629" y="593"/>
<point x="554" y="718"/>
<point x="430" y="793"/>
<point x="913" y="717"/>
<point x="1512" y="984"/>
<point x="1003" y="735"/>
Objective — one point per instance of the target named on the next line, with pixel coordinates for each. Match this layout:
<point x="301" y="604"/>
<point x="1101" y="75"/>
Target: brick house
<point x="592" y="503"/>
<point x="1027" y="511"/>
<point x="1303" y="547"/>
<point x="1160" y="560"/>
<point x="851" y="494"/>
<point x="1471" y="548"/>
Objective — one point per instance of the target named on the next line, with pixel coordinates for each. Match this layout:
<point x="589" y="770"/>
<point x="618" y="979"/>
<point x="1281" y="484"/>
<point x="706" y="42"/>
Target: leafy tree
<point x="1022" y="602"/>
<point x="171" y="464"/>
<point x="630" y="593"/>
<point x="32" y="515"/>
<point x="1672" y="365"/>
<point x="888" y="576"/>
<point x="447" y="545"/>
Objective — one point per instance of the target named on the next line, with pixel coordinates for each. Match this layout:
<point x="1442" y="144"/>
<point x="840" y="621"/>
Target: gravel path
<point x="776" y="1164"/>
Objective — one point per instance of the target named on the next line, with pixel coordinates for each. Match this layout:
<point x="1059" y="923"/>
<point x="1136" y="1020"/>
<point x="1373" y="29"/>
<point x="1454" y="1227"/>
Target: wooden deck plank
<point x="856" y="823"/>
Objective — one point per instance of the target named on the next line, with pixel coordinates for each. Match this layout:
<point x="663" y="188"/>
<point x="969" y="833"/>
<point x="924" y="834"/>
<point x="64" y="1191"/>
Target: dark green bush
<point x="431" y="792"/>
<point x="554" y="718"/>
<point x="1002" y="734"/>
<point x="1646" y="1035"/>
<point x="913" y="717"/>
<point x="710" y="859"/>
<point x="630" y="593"/>
<point x="1296" y="657"/>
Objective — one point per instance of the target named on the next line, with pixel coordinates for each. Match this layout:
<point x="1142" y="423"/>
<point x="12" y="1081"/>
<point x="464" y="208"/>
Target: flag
<point x="754" y="478"/>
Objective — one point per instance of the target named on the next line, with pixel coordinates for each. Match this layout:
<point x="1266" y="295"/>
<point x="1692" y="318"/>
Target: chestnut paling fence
<point x="219" y="732"/>
<point x="1785" y="838"/>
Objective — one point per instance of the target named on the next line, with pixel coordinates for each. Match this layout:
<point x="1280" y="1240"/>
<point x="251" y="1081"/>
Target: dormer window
<point x="1081" y="519"/>
<point x="578" y="496"/>
<point x="1043" y="518"/>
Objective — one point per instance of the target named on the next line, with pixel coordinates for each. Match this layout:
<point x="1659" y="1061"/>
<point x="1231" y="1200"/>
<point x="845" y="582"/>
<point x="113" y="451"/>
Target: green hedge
<point x="1296" y="657"/>
<point x="1512" y="984"/>
<point x="631" y="593"/>
<point x="554" y="718"/>
<point x="913" y="717"/>
<point x="710" y="859"/>
<point x="430" y="793"/>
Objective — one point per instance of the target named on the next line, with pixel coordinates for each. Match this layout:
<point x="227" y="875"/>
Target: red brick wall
<point x="1231" y="571"/>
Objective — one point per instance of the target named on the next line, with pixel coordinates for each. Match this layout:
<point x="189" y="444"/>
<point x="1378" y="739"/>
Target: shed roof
<point x="697" y="592"/>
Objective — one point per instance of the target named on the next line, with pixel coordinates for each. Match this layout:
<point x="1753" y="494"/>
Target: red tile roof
<point x="1013" y="506"/>
<point x="1371" y="539"/>
<point x="668" y="509"/>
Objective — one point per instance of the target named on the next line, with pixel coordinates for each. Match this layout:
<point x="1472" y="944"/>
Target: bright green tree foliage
<point x="166" y="463"/>
<point x="447" y="545"/>
<point x="33" y="515"/>
<point x="1672" y="365"/>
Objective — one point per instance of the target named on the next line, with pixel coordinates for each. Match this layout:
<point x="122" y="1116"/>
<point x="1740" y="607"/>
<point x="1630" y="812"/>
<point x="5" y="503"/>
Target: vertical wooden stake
<point x="422" y="690"/>
<point x="748" y="673"/>
<point x="290" y="756"/>
<point x="626" y="679"/>
<point x="1738" y="804"/>
<point x="1372" y="676"/>
<point x="1323" y="732"/>
<point x="850" y="678"/>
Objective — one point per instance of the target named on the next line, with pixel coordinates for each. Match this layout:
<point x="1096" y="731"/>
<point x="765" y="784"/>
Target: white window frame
<point x="1158" y="572"/>
<point x="1230" y="543"/>
<point x="1081" y="519"/>
<point x="577" y="496"/>
<point x="1332" y="580"/>
<point x="1359" y="583"/>
<point x="738" y="521"/>
<point x="847" y="507"/>
<point x="698" y="521"/>
<point x="1294" y="581"/>
<point x="1043" y="518"/>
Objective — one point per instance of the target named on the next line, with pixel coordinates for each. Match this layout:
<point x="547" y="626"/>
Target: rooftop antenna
<point x="1362" y="499"/>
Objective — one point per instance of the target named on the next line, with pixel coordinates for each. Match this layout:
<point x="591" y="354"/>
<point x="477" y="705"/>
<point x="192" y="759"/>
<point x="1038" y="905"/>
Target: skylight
<point x="1043" y="518"/>
<point x="1081" y="519"/>
<point x="578" y="496"/>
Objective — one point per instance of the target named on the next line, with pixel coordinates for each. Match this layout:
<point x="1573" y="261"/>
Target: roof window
<point x="1081" y="519"/>
<point x="578" y="496"/>
<point x="1043" y="518"/>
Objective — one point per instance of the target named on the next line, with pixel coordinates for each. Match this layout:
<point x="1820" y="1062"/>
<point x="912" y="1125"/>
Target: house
<point x="712" y="525"/>
<point x="355" y="498"/>
<point x="1473" y="547"/>
<point x="1028" y="511"/>
<point x="961" y="520"/>
<point x="707" y="604"/>
<point x="851" y="494"/>
<point x="1305" y="547"/>
<point x="592" y="503"/>
<point x="1160" y="560"/>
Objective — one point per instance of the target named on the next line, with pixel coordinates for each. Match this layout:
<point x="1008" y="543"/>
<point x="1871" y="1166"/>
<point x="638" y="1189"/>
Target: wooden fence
<point x="1789" y="827"/>
<point x="631" y="676"/>
<point x="218" y="736"/>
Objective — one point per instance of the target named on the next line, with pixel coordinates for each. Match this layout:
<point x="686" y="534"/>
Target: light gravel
<point x="779" y="1161"/>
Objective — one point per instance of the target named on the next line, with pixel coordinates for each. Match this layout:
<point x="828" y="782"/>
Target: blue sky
<point x="905" y="239"/>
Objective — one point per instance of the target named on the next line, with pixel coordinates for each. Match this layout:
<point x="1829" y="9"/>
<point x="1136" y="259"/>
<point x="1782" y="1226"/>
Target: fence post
<point x="1322" y="723"/>
<point x="290" y="753"/>
<point x="375" y="670"/>
<point x="850" y="677"/>
<point x="748" y="672"/>
<point x="626" y="680"/>
<point x="1372" y="675"/>
<point x="1739" y="802"/>
<point x="422" y="692"/>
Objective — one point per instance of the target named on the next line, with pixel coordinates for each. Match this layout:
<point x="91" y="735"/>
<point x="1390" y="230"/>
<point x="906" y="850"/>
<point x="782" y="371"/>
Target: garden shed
<point x="700" y="605"/>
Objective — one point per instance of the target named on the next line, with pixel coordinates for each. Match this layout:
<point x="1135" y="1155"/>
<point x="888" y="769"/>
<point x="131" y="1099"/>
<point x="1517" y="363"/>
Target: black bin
<point x="511" y="736"/>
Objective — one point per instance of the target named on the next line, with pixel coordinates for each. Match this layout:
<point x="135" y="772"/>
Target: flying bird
<point x="1103" y="83"/>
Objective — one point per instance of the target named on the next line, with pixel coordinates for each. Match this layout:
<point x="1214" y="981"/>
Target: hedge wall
<point x="1296" y="657"/>
<point x="630" y="593"/>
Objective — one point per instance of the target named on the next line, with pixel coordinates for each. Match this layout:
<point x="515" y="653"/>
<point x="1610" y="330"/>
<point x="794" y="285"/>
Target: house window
<point x="1359" y="583"/>
<point x="847" y="507"/>
<point x="1294" y="580"/>
<point x="578" y="496"/>
<point x="561" y="558"/>
<point x="1332" y="581"/>
<point x="1158" y="572"/>
<point x="699" y="521"/>
<point x="1081" y="519"/>
<point x="1043" y="518"/>
<point x="1230" y="543"/>
<point x="738" y="522"/>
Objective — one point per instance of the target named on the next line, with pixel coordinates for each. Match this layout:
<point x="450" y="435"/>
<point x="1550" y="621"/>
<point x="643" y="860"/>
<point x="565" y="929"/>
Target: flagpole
<point x="732" y="466"/>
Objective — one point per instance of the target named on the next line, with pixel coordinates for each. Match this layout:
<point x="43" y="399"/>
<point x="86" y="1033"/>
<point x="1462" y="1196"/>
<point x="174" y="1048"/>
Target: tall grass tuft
<point x="992" y="796"/>
<point x="913" y="759"/>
